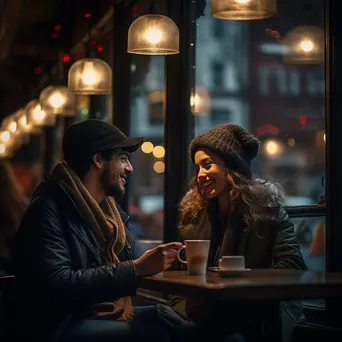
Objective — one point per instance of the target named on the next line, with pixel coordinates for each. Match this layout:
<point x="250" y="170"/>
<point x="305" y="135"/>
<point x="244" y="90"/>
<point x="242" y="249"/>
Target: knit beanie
<point x="232" y="143"/>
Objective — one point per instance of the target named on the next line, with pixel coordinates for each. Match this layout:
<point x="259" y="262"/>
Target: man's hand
<point x="157" y="259"/>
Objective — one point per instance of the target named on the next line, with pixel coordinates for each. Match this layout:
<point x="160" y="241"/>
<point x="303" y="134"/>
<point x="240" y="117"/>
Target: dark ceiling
<point x="31" y="46"/>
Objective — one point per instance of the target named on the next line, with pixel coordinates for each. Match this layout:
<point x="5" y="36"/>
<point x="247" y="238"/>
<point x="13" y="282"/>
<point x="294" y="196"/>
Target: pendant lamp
<point x="58" y="100"/>
<point x="153" y="34"/>
<point x="243" y="9"/>
<point x="200" y="101"/>
<point x="304" y="45"/>
<point x="90" y="76"/>
<point x="37" y="117"/>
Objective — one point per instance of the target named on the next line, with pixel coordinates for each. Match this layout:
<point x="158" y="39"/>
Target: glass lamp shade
<point x="90" y="76"/>
<point x="304" y="45"/>
<point x="200" y="101"/>
<point x="153" y="34"/>
<point x="6" y="150"/>
<point x="23" y="125"/>
<point x="58" y="100"/>
<point x="5" y="136"/>
<point x="10" y="124"/>
<point x="37" y="117"/>
<point x="243" y="9"/>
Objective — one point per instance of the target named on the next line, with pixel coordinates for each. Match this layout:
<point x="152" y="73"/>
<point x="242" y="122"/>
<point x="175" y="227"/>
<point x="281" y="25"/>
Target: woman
<point x="13" y="204"/>
<point x="240" y="216"/>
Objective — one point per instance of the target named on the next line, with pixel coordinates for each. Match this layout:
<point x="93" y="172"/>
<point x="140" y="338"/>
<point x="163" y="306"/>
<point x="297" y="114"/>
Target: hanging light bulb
<point x="200" y="101"/>
<point x="23" y="124"/>
<point x="5" y="136"/>
<point x="37" y="117"/>
<point x="58" y="100"/>
<point x="304" y="45"/>
<point x="273" y="148"/>
<point x="90" y="76"/>
<point x="10" y="124"/>
<point x="243" y="9"/>
<point x="153" y="34"/>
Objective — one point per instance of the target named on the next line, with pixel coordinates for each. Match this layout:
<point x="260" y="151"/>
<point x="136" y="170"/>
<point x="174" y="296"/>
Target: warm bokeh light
<point x="200" y="101"/>
<point x="38" y="113"/>
<point x="23" y="120"/>
<point x="159" y="167"/>
<point x="159" y="151"/>
<point x="324" y="137"/>
<point x="13" y="126"/>
<point x="306" y="45"/>
<point x="147" y="147"/>
<point x="2" y="148"/>
<point x="156" y="96"/>
<point x="291" y="142"/>
<point x="242" y="1"/>
<point x="273" y="148"/>
<point x="89" y="76"/>
<point x="5" y="136"/>
<point x="57" y="100"/>
<point x="154" y="36"/>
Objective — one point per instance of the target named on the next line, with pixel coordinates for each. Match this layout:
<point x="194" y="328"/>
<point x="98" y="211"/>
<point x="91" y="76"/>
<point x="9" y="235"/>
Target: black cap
<point x="93" y="136"/>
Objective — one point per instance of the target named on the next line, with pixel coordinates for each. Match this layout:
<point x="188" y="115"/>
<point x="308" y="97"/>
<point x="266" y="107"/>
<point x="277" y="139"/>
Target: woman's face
<point x="211" y="173"/>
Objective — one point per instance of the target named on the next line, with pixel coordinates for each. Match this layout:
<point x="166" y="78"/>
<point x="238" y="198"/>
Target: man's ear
<point x="97" y="160"/>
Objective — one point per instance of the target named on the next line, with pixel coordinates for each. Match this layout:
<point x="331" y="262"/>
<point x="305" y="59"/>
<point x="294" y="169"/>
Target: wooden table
<point x="268" y="284"/>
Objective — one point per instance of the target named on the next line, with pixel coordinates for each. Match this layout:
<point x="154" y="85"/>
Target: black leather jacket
<point x="58" y="266"/>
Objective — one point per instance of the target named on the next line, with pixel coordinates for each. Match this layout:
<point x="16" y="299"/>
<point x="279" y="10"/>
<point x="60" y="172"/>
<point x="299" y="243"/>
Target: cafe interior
<point x="169" y="70"/>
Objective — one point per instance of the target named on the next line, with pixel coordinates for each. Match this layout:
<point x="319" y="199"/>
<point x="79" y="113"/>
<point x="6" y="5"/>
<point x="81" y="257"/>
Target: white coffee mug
<point x="197" y="252"/>
<point x="232" y="262"/>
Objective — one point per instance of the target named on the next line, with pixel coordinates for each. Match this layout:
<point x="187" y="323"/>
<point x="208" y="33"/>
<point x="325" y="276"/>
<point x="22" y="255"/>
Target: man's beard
<point x="111" y="189"/>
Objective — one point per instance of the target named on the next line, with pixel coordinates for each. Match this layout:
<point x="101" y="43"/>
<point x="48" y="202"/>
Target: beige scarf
<point x="107" y="227"/>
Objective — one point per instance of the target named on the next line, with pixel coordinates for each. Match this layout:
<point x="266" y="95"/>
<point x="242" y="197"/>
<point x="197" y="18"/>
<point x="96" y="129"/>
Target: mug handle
<point x="178" y="255"/>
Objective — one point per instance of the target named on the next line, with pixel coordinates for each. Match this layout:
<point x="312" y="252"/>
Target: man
<point x="74" y="258"/>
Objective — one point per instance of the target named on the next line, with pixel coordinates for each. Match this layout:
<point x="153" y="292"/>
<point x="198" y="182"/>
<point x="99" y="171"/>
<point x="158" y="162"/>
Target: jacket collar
<point x="53" y="188"/>
<point x="203" y="229"/>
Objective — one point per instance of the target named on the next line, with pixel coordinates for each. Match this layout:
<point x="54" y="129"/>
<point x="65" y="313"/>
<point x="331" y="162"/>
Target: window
<point x="315" y="82"/>
<point x="275" y="100"/>
<point x="217" y="74"/>
<point x="218" y="28"/>
<point x="146" y="199"/>
<point x="220" y="115"/>
<point x="278" y="80"/>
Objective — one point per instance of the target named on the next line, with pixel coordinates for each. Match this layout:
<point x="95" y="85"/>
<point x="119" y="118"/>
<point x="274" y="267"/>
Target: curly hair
<point x="248" y="198"/>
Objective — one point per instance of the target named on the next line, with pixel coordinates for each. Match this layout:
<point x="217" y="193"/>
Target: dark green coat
<point x="268" y="243"/>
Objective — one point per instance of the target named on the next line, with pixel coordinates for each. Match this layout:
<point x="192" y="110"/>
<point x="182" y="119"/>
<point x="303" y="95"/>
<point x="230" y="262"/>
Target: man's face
<point x="115" y="173"/>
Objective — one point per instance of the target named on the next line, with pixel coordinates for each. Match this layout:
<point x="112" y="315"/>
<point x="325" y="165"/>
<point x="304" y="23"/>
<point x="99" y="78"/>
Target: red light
<point x="302" y="120"/>
<point x="37" y="70"/>
<point x="57" y="27"/>
<point x="135" y="10"/>
<point x="274" y="130"/>
<point x="260" y="131"/>
<point x="66" y="58"/>
<point x="93" y="42"/>
<point x="77" y="56"/>
<point x="54" y="35"/>
<point x="99" y="48"/>
<point x="87" y="15"/>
